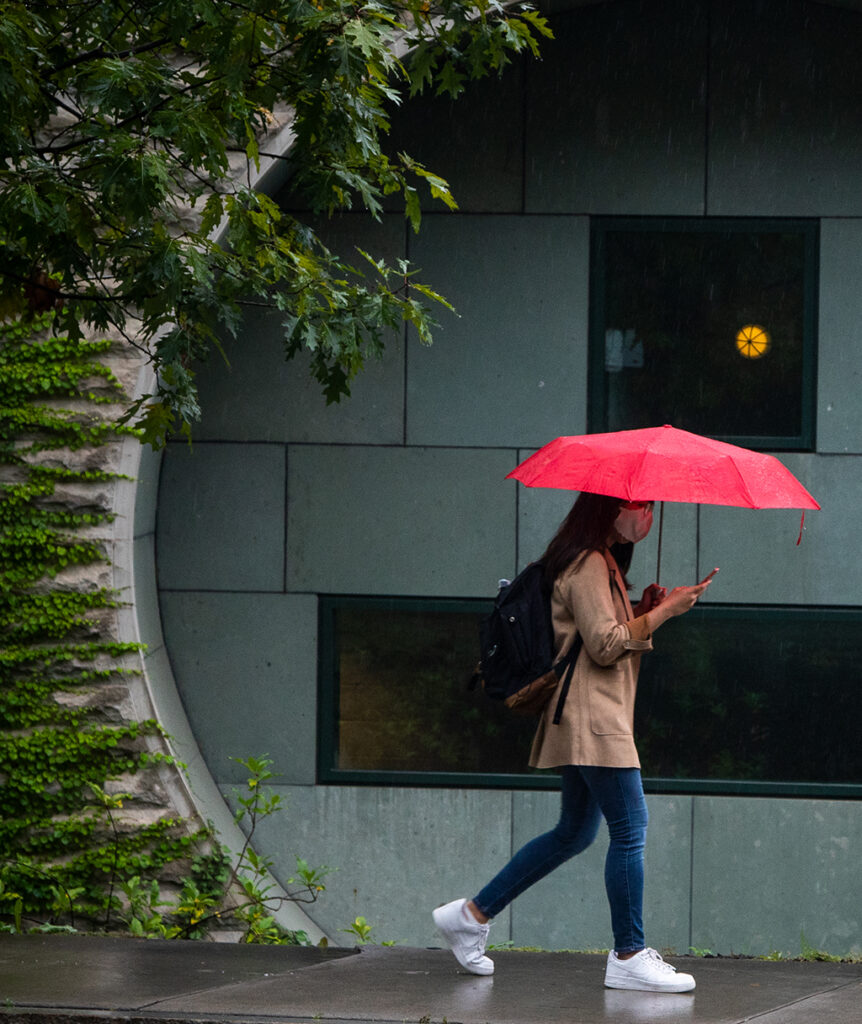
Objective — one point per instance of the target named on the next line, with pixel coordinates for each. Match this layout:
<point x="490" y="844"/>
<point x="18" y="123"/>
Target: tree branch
<point x="133" y="51"/>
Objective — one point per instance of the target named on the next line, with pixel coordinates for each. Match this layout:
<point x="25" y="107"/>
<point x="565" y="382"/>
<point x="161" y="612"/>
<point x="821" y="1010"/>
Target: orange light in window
<point x="753" y="341"/>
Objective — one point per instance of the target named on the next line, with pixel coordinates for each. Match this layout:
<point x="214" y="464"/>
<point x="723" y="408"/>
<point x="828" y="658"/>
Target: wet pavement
<point x="76" y="979"/>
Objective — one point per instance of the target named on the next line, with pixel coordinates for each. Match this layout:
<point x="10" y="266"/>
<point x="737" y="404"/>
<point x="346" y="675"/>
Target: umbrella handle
<point x="660" y="529"/>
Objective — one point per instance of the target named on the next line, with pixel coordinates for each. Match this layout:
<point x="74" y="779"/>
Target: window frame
<point x="327" y="707"/>
<point x="808" y="228"/>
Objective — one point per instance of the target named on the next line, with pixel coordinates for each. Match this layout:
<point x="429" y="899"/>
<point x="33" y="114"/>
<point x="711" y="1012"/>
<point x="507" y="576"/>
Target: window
<point x="749" y="697"/>
<point x="396" y="699"/>
<point x="705" y="324"/>
<point x="733" y="699"/>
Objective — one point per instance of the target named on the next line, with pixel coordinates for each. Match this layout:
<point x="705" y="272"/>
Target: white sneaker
<point x="645" y="972"/>
<point x="464" y="936"/>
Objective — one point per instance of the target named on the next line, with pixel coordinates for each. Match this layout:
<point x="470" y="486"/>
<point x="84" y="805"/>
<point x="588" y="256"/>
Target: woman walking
<point x="593" y="743"/>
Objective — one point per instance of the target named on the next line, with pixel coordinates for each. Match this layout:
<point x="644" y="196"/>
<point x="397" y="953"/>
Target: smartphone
<point x="708" y="577"/>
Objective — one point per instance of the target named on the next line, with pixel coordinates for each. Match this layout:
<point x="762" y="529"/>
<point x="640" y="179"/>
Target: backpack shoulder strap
<point x="568" y="665"/>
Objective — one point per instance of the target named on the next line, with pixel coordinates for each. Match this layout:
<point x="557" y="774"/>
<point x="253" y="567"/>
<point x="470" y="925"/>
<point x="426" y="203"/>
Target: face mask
<point x="634" y="520"/>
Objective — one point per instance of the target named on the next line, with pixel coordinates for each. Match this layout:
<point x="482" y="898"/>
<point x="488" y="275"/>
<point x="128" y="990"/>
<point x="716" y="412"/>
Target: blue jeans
<point x="588" y="794"/>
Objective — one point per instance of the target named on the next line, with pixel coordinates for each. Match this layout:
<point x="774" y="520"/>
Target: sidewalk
<point x="59" y="978"/>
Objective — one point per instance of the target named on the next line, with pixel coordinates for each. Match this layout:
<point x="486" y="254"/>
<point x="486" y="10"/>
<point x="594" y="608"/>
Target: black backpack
<point x="517" y="664"/>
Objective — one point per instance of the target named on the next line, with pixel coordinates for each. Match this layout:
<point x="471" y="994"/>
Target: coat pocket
<point x="611" y="702"/>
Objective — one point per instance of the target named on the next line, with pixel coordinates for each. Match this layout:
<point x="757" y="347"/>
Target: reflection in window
<point x="707" y="325"/>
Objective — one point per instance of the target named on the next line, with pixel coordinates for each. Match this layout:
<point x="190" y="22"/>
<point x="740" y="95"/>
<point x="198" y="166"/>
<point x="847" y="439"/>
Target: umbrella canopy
<point x="664" y="464"/>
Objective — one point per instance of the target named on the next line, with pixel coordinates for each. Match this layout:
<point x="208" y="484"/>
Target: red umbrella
<point x="664" y="464"/>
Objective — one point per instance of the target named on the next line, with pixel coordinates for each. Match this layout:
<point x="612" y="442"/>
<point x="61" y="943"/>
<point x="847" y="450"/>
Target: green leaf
<point x="413" y="210"/>
<point x="429" y="293"/>
<point x="450" y="80"/>
<point x="365" y="37"/>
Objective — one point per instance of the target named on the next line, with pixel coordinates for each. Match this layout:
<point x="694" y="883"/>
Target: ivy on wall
<point x="68" y="836"/>
<point x="77" y="850"/>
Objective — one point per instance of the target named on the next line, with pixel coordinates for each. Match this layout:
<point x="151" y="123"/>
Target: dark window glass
<point x="706" y="325"/>
<point x="399" y="675"/>
<point x="754" y="694"/>
<point x="742" y="698"/>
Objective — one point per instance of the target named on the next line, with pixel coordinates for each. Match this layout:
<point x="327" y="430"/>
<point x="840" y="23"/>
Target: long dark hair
<point x="586" y="528"/>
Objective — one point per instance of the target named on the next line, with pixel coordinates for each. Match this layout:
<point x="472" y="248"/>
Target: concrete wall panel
<point x="246" y="669"/>
<point x="770" y="874"/>
<point x="785" y="92"/>
<point x="757" y="551"/>
<point x="512" y="369"/>
<point x="398" y="853"/>
<point x="484" y="170"/>
<point x="615" y="112"/>
<point x="540" y="512"/>
<point x="839" y="337"/>
<point x="425" y="521"/>
<point x="221" y="517"/>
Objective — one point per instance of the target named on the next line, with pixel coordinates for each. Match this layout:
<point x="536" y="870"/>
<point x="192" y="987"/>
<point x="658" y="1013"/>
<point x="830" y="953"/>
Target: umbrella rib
<point x="744" y="484"/>
<point x="634" y="476"/>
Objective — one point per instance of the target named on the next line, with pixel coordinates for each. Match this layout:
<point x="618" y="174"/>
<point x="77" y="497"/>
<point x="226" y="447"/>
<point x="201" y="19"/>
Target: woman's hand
<point x="652" y="598"/>
<point x="677" y="602"/>
<point x="683" y="599"/>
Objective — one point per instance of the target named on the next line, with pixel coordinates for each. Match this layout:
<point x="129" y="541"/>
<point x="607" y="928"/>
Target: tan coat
<point x="598" y="716"/>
